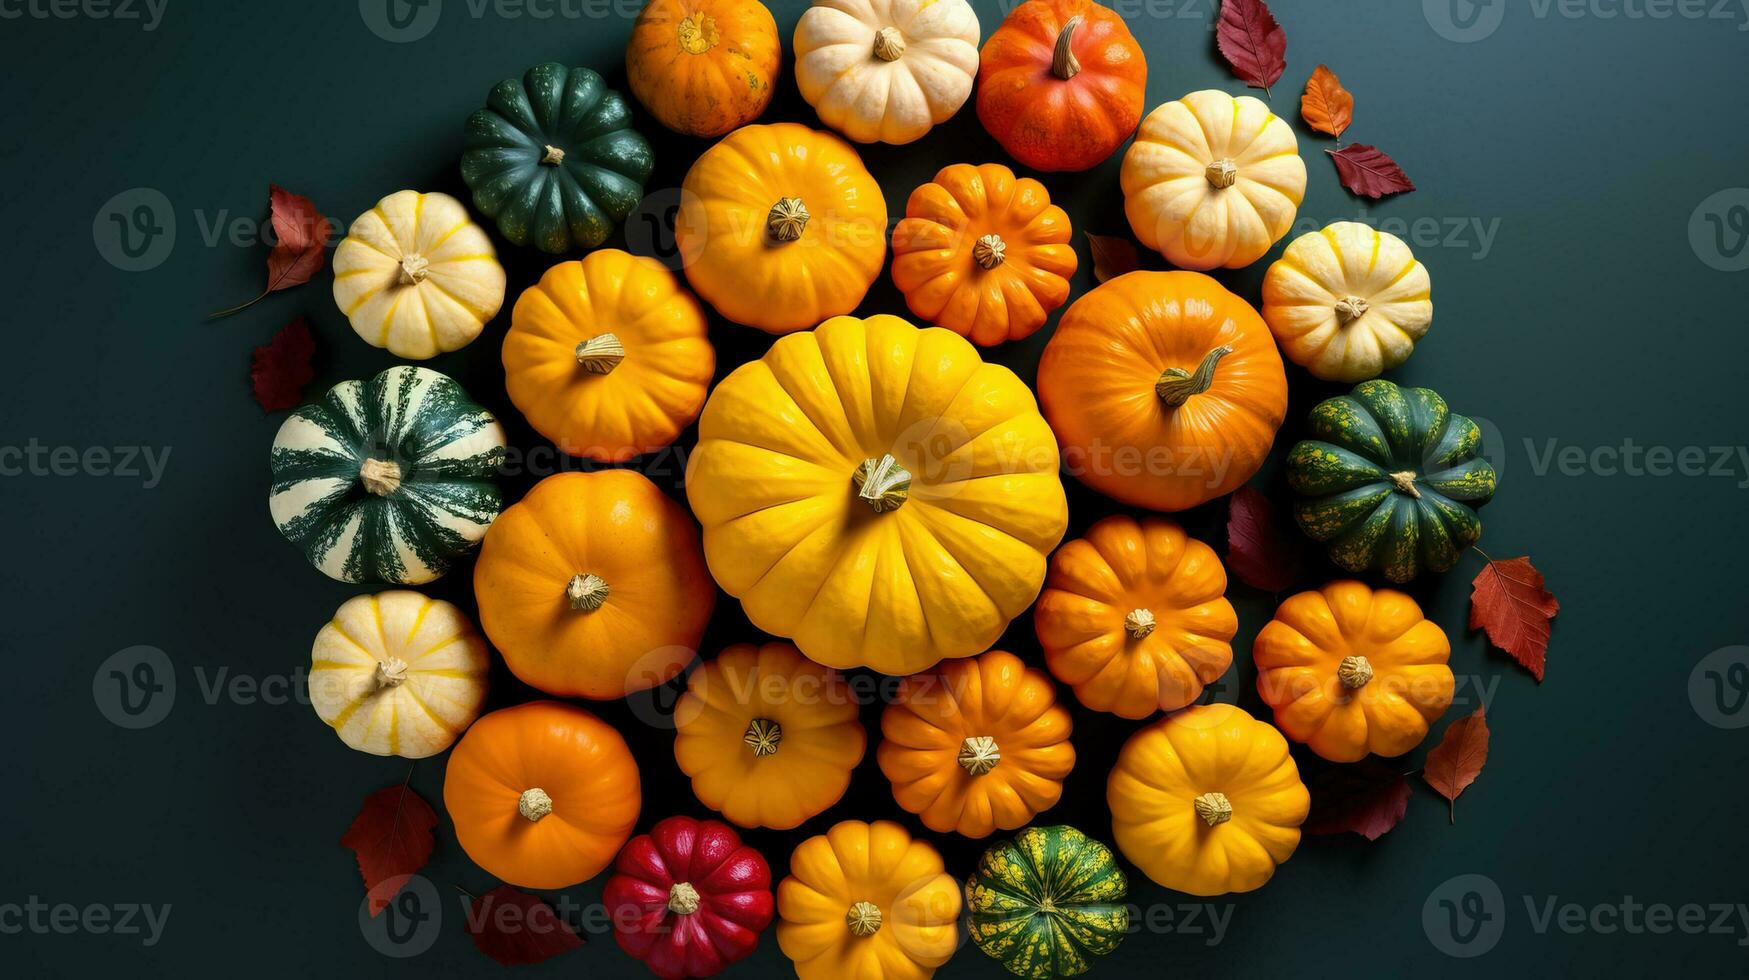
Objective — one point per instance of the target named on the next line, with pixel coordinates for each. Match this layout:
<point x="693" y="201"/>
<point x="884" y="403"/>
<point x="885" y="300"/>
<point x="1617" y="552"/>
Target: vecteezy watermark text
<point x="143" y="463"/>
<point x="40" y="918"/>
<point x="147" y="13"/>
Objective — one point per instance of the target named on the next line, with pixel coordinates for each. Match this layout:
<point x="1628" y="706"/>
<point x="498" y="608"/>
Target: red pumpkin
<point x="689" y="898"/>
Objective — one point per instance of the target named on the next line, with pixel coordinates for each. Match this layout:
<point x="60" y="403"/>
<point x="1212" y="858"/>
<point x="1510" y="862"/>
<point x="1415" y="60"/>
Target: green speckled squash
<point x="553" y="159"/>
<point x="1389" y="480"/>
<point x="387" y="480"/>
<point x="1047" y="902"/>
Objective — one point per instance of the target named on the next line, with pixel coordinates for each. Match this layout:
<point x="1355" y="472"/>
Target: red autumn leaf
<point x="1367" y="171"/>
<point x="1458" y="758"/>
<point x="1367" y="798"/>
<point x="392" y="837"/>
<point x="1252" y="42"/>
<point x="517" y="929"/>
<point x="300" y="240"/>
<point x="1113" y="256"/>
<point x="281" y="367"/>
<point x="1257" y="552"/>
<point x="1326" y="106"/>
<point x="1508" y="601"/>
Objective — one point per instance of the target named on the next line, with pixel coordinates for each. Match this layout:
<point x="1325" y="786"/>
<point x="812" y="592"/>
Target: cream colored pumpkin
<point x="417" y="276"/>
<point x="398" y="674"/>
<point x="1348" y="303"/>
<point x="1213" y="181"/>
<point x="886" y="70"/>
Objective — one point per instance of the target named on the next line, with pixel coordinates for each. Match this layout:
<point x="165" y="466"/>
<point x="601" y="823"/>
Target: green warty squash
<point x="1046" y="903"/>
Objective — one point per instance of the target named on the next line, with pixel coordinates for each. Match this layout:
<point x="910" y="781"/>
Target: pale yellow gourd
<point x="1348" y="303"/>
<point x="886" y="70"/>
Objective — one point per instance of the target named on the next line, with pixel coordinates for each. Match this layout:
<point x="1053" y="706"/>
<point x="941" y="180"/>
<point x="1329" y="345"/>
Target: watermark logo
<point x="411" y="921"/>
<point x="1718" y="688"/>
<point x="400" y="21"/>
<point x="1464" y="21"/>
<point x="136" y="687"/>
<point x="135" y="231"/>
<point x="1464" y="916"/>
<point x="652" y="227"/>
<point x="1718" y="231"/>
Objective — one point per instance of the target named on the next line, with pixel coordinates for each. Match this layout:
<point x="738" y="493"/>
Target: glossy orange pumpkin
<point x="703" y="67"/>
<point x="1164" y="389"/>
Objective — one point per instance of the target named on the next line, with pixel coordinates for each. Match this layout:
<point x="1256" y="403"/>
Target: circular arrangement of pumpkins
<point x="872" y="492"/>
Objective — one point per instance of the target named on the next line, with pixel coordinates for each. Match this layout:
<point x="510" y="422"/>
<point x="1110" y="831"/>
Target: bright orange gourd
<point x="1164" y="389"/>
<point x="703" y="67"/>
<point x="983" y="254"/>
<point x="543" y="795"/>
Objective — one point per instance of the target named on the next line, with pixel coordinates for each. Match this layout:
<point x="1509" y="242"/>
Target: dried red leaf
<point x="1258" y="553"/>
<point x="392" y="837"/>
<point x="1368" y="798"/>
<point x="518" y="929"/>
<point x="300" y="244"/>
<point x="1458" y="758"/>
<point x="1253" y="43"/>
<point x="281" y="367"/>
<point x="1508" y="602"/>
<point x="1113" y="255"/>
<point x="1367" y="171"/>
<point x="1326" y="106"/>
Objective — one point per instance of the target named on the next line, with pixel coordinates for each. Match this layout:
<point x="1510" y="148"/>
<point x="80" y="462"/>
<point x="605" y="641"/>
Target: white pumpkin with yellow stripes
<point x="1348" y="303"/>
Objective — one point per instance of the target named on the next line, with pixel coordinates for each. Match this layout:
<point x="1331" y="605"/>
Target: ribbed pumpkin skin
<point x="1310" y="294"/>
<point x="730" y="881"/>
<point x="703" y="67"/>
<point x="447" y="450"/>
<point x="1046" y="903"/>
<point x="1388" y="480"/>
<point x="557" y="206"/>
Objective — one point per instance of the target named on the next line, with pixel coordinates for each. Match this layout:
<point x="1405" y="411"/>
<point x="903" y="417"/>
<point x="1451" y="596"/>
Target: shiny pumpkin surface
<point x="886" y="70"/>
<point x="703" y="67"/>
<point x="1348" y="303"/>
<point x="1046" y="903"/>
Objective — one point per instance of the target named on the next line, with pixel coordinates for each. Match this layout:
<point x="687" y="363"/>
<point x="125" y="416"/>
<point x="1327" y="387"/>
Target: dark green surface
<point x="1584" y="143"/>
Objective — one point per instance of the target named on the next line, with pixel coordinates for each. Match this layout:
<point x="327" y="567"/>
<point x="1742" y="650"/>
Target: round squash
<point x="1207" y="801"/>
<point x="608" y="356"/>
<point x="387" y="480"/>
<point x="704" y="67"/>
<point x="1350" y="671"/>
<point x="1165" y="389"/>
<point x="768" y="738"/>
<point x="781" y="227"/>
<point x="976" y="745"/>
<point x="542" y="795"/>
<point x="398" y="674"/>
<point x="417" y="276"/>
<point x="1389" y="479"/>
<point x="1348" y="303"/>
<point x="886" y="70"/>
<point x="983" y="254"/>
<point x="1047" y="903"/>
<point x="1135" y="618"/>
<point x="877" y="493"/>
<point x="864" y="900"/>
<point x="593" y="585"/>
<point x="1061" y="83"/>
<point x="553" y="159"/>
<point x="1213" y="181"/>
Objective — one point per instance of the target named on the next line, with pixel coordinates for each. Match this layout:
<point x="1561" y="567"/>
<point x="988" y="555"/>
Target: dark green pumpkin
<point x="553" y="159"/>
<point x="1047" y="902"/>
<point x="1389" y="480"/>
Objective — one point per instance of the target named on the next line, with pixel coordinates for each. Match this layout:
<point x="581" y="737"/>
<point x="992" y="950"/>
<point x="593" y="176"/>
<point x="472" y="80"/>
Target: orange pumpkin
<point x="543" y="795"/>
<point x="983" y="254"/>
<point x="703" y="67"/>
<point x="1164" y="389"/>
<point x="594" y="585"/>
<point x="977" y="745"/>
<point x="1134" y="616"/>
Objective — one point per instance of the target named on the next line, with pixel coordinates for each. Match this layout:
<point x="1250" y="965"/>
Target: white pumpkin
<point x="398" y="674"/>
<point x="1213" y="181"/>
<point x="1348" y="303"/>
<point x="886" y="70"/>
<point x="417" y="276"/>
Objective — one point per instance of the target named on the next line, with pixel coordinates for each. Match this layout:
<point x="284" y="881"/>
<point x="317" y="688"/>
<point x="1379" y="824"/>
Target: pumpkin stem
<point x="1354" y="672"/>
<point x="697" y="34"/>
<point x="1213" y="808"/>
<point x="586" y="592"/>
<point x="682" y="898"/>
<point x="391" y="673"/>
<point x="415" y="269"/>
<point x="1405" y="482"/>
<point x="1139" y="623"/>
<point x="864" y="919"/>
<point x="889" y="44"/>
<point x="534" y="803"/>
<point x="1176" y="385"/>
<point x="1063" y="63"/>
<point x="762" y="736"/>
<point x="554" y="156"/>
<point x="990" y="251"/>
<point x="380" y="476"/>
<point x="882" y="482"/>
<point x="979" y="754"/>
<point x="1222" y="174"/>
<point x="1350" y="309"/>
<point x="786" y="219"/>
<point x="601" y="353"/>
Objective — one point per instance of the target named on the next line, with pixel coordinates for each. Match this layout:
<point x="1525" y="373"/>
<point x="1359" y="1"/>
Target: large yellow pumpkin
<point x="877" y="493"/>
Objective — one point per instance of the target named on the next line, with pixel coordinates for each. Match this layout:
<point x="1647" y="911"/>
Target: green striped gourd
<point x="1046" y="903"/>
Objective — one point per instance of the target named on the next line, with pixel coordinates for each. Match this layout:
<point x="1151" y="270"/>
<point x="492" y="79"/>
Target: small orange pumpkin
<point x="703" y="67"/>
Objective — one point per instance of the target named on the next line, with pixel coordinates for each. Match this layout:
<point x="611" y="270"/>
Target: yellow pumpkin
<point x="864" y="901"/>
<point x="886" y="70"/>
<point x="1207" y="801"/>
<point x="608" y="356"/>
<point x="781" y="226"/>
<point x="877" y="493"/>
<point x="1213" y="181"/>
<point x="1348" y="303"/>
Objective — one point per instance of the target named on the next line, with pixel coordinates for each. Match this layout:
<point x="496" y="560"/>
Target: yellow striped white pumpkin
<point x="1348" y="303"/>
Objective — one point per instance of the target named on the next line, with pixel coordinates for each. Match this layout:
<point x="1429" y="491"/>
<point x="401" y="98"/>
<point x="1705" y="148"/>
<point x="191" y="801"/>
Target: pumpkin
<point x="387" y="480"/>
<point x="1348" y="302"/>
<point x="553" y="159"/>
<point x="1350" y="671"/>
<point x="1165" y="389"/>
<point x="983" y="254"/>
<point x="703" y="67"/>
<point x="977" y="745"/>
<point x="1389" y="479"/>
<point x="688" y="898"/>
<point x="781" y="227"/>
<point x="417" y="276"/>
<point x="542" y="795"/>
<point x="886" y="70"/>
<point x="1207" y="801"/>
<point x="865" y="901"/>
<point x="608" y="356"/>
<point x="398" y="674"/>
<point x="768" y="738"/>
<point x="877" y="493"/>
<point x="1213" y="181"/>
<point x="1134" y="617"/>
<point x="593" y="585"/>
<point x="1060" y="84"/>
<point x="1046" y="903"/>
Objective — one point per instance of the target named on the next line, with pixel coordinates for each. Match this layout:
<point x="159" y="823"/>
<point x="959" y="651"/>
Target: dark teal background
<point x="1585" y="143"/>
